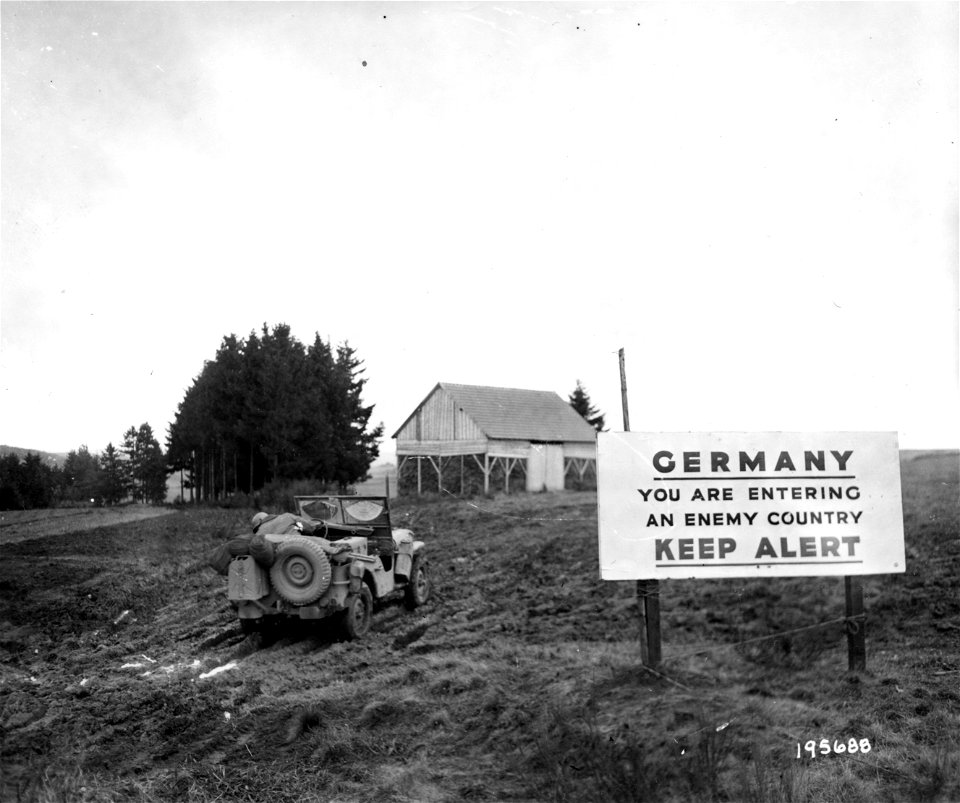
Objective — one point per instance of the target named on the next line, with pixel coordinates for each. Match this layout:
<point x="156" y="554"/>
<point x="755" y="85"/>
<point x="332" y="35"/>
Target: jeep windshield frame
<point x="367" y="514"/>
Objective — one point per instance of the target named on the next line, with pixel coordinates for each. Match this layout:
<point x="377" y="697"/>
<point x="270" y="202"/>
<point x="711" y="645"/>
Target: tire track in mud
<point x="90" y="668"/>
<point x="275" y="691"/>
<point x="453" y="668"/>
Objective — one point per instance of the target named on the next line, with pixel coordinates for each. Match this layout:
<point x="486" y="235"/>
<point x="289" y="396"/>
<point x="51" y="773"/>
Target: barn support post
<point x="511" y="463"/>
<point x="578" y="465"/>
<point x="648" y="591"/>
<point x="438" y="467"/>
<point x="419" y="477"/>
<point x="485" y="468"/>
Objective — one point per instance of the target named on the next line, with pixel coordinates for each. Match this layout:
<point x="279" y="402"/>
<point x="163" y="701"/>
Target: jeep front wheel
<point x="418" y="589"/>
<point x="356" y="618"/>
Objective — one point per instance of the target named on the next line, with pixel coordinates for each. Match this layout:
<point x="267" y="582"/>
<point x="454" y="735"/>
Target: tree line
<point x="137" y="471"/>
<point x="269" y="409"/>
<point x="265" y="409"/>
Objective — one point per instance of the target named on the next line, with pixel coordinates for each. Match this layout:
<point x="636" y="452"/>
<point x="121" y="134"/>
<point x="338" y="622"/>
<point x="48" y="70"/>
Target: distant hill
<point x="50" y="458"/>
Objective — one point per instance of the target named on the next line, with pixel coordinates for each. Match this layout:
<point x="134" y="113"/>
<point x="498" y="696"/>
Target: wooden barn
<point x="467" y="439"/>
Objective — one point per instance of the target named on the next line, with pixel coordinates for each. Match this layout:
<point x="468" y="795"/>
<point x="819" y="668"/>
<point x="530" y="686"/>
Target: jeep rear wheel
<point x="418" y="589"/>
<point x="356" y="618"/>
<point x="301" y="572"/>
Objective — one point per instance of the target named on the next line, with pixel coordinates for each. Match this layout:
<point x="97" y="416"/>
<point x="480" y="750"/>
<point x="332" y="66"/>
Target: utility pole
<point x="648" y="591"/>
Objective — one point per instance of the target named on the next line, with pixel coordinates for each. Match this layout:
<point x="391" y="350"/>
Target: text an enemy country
<point x="775" y="518"/>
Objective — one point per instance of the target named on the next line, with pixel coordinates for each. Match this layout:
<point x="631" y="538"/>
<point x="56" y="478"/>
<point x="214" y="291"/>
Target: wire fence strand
<point x="642" y="594"/>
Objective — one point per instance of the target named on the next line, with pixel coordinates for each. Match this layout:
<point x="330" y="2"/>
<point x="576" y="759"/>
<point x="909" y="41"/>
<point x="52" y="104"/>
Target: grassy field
<point x="24" y="525"/>
<point x="521" y="680"/>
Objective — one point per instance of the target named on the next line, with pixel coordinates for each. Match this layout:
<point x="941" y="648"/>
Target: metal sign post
<point x="648" y="591"/>
<point x="856" y="635"/>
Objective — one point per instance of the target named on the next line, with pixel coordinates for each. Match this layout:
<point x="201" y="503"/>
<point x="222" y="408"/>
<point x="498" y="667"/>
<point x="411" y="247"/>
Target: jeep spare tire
<point x="301" y="571"/>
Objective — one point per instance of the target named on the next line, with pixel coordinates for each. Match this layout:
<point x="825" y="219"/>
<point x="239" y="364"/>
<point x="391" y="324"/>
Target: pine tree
<point x="130" y="449"/>
<point x="267" y="408"/>
<point x="154" y="469"/>
<point x="10" y="482"/>
<point x="580" y="401"/>
<point x="81" y="475"/>
<point x="146" y="467"/>
<point x="112" y="488"/>
<point x="286" y="403"/>
<point x="35" y="482"/>
<point x="353" y="448"/>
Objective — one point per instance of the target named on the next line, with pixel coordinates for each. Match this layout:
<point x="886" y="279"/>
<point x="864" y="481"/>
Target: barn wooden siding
<point x="464" y="439"/>
<point x="440" y="419"/>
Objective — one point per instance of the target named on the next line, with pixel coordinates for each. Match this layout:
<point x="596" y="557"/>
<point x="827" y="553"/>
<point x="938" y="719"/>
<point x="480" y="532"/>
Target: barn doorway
<point x="545" y="467"/>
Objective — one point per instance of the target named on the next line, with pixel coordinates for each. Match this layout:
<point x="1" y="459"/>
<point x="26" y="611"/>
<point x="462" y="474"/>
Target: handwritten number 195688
<point x="825" y="748"/>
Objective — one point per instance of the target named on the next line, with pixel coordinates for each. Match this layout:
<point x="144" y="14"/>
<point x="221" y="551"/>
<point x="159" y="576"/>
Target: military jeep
<point x="352" y="557"/>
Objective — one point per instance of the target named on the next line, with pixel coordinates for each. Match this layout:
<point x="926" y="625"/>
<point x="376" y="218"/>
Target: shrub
<point x="278" y="497"/>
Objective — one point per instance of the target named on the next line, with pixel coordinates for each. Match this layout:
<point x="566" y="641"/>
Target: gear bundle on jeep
<point x="333" y="559"/>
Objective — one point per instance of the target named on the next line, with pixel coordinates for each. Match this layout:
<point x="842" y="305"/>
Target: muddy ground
<point x="124" y="675"/>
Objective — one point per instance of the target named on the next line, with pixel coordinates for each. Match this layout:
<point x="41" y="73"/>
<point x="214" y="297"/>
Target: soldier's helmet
<point x="258" y="519"/>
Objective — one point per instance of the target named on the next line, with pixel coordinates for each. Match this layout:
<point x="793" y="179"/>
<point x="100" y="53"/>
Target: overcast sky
<point x="758" y="202"/>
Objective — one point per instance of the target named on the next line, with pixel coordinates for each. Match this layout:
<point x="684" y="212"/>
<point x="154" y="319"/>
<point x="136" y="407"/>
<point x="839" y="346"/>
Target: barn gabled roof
<point x="517" y="414"/>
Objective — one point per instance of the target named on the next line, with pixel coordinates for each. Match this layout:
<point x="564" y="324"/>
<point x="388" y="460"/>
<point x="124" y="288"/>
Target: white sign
<point x="748" y="504"/>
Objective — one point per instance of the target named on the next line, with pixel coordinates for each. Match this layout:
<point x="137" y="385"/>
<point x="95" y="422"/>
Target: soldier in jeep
<point x="284" y="524"/>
